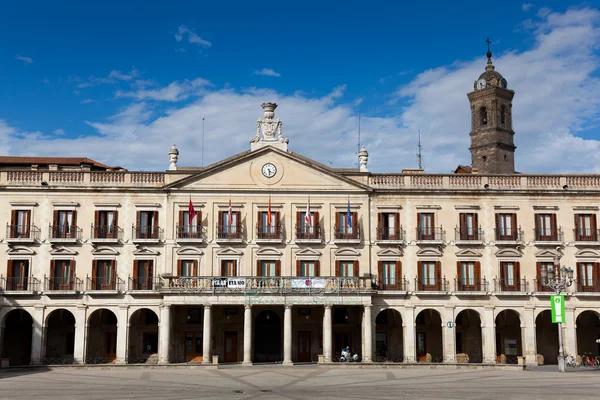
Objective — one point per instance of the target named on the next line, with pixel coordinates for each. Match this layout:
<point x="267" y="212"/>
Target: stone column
<point x="80" y="334"/>
<point x="570" y="333"/>
<point x="528" y="337"/>
<point x="449" y="336"/>
<point x="327" y="346"/>
<point x="409" y="336"/>
<point x="368" y="334"/>
<point x="37" y="331"/>
<point x="123" y="334"/>
<point x="247" y="335"/>
<point x="164" y="334"/>
<point x="488" y="335"/>
<point x="207" y="336"/>
<point x="287" y="335"/>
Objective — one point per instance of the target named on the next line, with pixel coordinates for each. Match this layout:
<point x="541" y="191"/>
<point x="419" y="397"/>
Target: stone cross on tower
<point x="270" y="129"/>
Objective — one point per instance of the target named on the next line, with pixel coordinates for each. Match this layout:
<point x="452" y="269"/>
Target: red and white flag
<point x="230" y="214"/>
<point x="191" y="212"/>
<point x="269" y="213"/>
<point x="308" y="217"/>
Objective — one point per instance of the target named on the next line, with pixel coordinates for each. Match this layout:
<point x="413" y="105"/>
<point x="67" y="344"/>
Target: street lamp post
<point x="558" y="282"/>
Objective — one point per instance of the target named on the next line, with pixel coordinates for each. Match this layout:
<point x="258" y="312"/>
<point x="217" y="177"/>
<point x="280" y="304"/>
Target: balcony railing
<point x="391" y="234"/>
<point x="587" y="286"/>
<point x="431" y="285"/>
<point x="264" y="285"/>
<point x="189" y="232"/>
<point x="101" y="283"/>
<point x="61" y="283"/>
<point x="230" y="232"/>
<point x="398" y="284"/>
<point x="512" y="285"/>
<point x="508" y="235"/>
<point x="586" y="235"/>
<point x="64" y="232"/>
<point x="106" y="233"/>
<point x="145" y="283"/>
<point x="19" y="284"/>
<point x="22" y="233"/>
<point x="468" y="235"/>
<point x="540" y="286"/>
<point x="471" y="285"/>
<point x="542" y="235"/>
<point x="346" y="232"/>
<point x="147" y="233"/>
<point x="437" y="234"/>
<point x="270" y="233"/>
<point x="309" y="233"/>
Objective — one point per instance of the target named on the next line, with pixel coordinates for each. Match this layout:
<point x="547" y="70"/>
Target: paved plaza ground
<point x="297" y="382"/>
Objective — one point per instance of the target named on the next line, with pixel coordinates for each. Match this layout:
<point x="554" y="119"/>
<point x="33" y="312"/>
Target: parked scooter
<point x="347" y="356"/>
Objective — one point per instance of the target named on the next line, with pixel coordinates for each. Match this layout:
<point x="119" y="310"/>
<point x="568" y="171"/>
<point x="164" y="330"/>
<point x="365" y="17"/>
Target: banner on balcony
<point x="306" y="283"/>
<point x="228" y="283"/>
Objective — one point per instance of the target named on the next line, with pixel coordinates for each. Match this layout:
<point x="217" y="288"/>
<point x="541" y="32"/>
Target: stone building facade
<point x="269" y="256"/>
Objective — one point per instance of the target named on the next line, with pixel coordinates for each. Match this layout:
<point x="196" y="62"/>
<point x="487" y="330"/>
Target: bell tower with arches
<point x="492" y="136"/>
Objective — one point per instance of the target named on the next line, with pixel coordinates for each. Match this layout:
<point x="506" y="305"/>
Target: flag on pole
<point x="230" y="214"/>
<point x="308" y="217"/>
<point x="349" y="215"/>
<point x="191" y="212"/>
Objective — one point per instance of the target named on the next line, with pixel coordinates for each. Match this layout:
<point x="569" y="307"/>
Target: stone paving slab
<point x="298" y="382"/>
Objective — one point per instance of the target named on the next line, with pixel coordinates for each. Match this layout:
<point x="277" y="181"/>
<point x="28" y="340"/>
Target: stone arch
<point x="468" y="339"/>
<point x="508" y="336"/>
<point x="102" y="337"/>
<point x="60" y="336"/>
<point x="389" y="336"/>
<point x="546" y="338"/>
<point x="16" y="345"/>
<point x="143" y="336"/>
<point x="588" y="331"/>
<point x="429" y="342"/>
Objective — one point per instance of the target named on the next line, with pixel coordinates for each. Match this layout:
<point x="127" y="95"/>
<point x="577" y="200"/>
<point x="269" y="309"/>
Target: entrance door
<point x="340" y="341"/>
<point x="304" y="353"/>
<point x="193" y="347"/>
<point x="231" y="347"/>
<point x="110" y="346"/>
<point x="267" y="338"/>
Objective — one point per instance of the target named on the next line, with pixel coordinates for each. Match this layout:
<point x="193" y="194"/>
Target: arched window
<point x="483" y="116"/>
<point x="503" y="115"/>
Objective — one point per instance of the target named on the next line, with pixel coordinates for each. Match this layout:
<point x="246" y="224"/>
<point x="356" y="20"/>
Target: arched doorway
<point x="102" y="337"/>
<point x="429" y="345"/>
<point x="17" y="337"/>
<point x="546" y="338"/>
<point x="267" y="337"/>
<point x="388" y="336"/>
<point x="468" y="337"/>
<point x="143" y="337"/>
<point x="60" y="337"/>
<point x="508" y="337"/>
<point x="588" y="331"/>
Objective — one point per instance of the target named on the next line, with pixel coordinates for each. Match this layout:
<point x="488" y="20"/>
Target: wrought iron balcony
<point x="106" y="233"/>
<point x="586" y="235"/>
<point x="400" y="284"/>
<point x="189" y="233"/>
<point x="269" y="233"/>
<point x="230" y="233"/>
<point x="147" y="234"/>
<point x="587" y="286"/>
<point x="19" y="284"/>
<point x="550" y="237"/>
<point x="430" y="234"/>
<point x="346" y="233"/>
<point x="431" y="285"/>
<point x="145" y="283"/>
<point x="103" y="284"/>
<point x="471" y="285"/>
<point x="60" y="283"/>
<point x="22" y="233"/>
<point x="468" y="235"/>
<point x="394" y="235"/>
<point x="309" y="233"/>
<point x="508" y="235"/>
<point x="510" y="285"/>
<point x="64" y="233"/>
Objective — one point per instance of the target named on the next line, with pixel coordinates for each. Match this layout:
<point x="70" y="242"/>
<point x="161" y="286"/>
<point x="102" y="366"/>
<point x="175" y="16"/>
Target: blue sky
<point x="120" y="81"/>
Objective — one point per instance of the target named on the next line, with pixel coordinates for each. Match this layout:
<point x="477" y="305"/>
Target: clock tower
<point x="492" y="145"/>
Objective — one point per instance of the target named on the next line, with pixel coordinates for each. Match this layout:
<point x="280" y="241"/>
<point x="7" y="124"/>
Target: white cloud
<point x="46" y="81"/>
<point x="526" y="6"/>
<point x="113" y="77"/>
<point x="26" y="60"/>
<point x="556" y="100"/>
<point x="267" y="72"/>
<point x="175" y="91"/>
<point x="183" y="30"/>
<point x="118" y="75"/>
<point x="59" y="131"/>
<point x="87" y="101"/>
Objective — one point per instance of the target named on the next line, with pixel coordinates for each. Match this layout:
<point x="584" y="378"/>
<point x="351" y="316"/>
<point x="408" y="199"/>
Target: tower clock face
<point x="269" y="170"/>
<point x="481" y="84"/>
<point x="503" y="83"/>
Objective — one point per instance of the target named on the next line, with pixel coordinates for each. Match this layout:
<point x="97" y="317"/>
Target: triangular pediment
<point x="229" y="251"/>
<point x="587" y="253"/>
<point x="145" y="251"/>
<point x="430" y="252"/>
<point x="468" y="253"/>
<point x="189" y="251"/>
<point x="390" y="252"/>
<point x="20" y="251"/>
<point x="509" y="252"/>
<point x="105" y="251"/>
<point x="268" y="251"/>
<point x="291" y="171"/>
<point x="308" y="252"/>
<point x="547" y="254"/>
<point x="346" y="252"/>
<point x="62" y="251"/>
